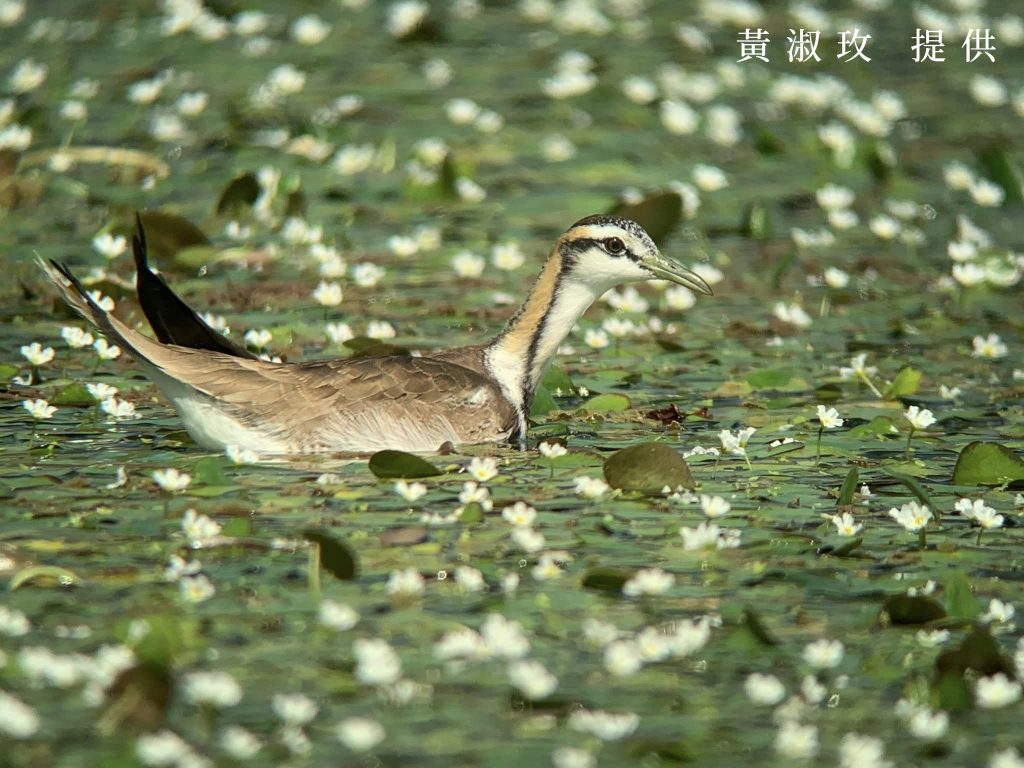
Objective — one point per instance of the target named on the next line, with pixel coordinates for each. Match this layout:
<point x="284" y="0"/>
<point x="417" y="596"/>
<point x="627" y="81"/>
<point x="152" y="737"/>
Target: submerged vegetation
<point x="775" y="525"/>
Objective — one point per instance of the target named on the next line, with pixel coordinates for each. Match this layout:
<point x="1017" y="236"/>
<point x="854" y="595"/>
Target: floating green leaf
<point x="557" y="379"/>
<point x="770" y="378"/>
<point x="390" y="464"/>
<point x="960" y="600"/>
<point x="983" y="463"/>
<point x="335" y="556"/>
<point x="906" y="383"/>
<point x="647" y="468"/>
<point x="911" y="609"/>
<point x="610" y="402"/>
<point x="849" y="487"/>
<point x="606" y="579"/>
<point x="73" y="395"/>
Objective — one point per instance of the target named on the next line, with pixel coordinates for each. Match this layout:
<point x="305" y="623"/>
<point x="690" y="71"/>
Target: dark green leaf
<point x="606" y="579"/>
<point x="405" y="536"/>
<point x="849" y="487"/>
<point x="953" y="692"/>
<point x="906" y="383"/>
<point x="915" y="487"/>
<point x="658" y="213"/>
<point x="911" y="609"/>
<point x="647" y="468"/>
<point x="138" y="698"/>
<point x="960" y="600"/>
<point x="757" y="221"/>
<point x="241" y="193"/>
<point x="880" y="426"/>
<point x="1004" y="172"/>
<point x="979" y="652"/>
<point x="398" y="464"/>
<point x="335" y="556"/>
<point x="167" y="233"/>
<point x="752" y="621"/>
<point x="982" y="463"/>
<point x="364" y="346"/>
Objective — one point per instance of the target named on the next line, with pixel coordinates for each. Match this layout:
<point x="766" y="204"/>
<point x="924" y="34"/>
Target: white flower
<point x="328" y="294"/>
<point x="258" y="338"/>
<point x="39" y="409"/>
<point x="714" y="506"/>
<point x="569" y="757"/>
<point x="934" y="638"/>
<point x="403" y="245"/>
<point x="483" y="469"/>
<point x="648" y="581"/>
<point x="836" y="278"/>
<point x="467" y="264"/>
<point x="360" y="734"/>
<point x="792" y="313"/>
<point x="823" y="654"/>
<point x="380" y="329"/>
<point x="196" y="589"/>
<point x="856" y="751"/>
<point x="970" y="274"/>
<point x="286" y="79"/>
<point x="736" y="444"/>
<point x="596" y="338"/>
<point x="239" y="743"/>
<point x="833" y="197"/>
<point x="858" y="368"/>
<point x="567" y="84"/>
<point x="927" y="725"/>
<point x="76" y="338"/>
<point x="200" y="530"/>
<point x="36" y="354"/>
<point x="294" y="709"/>
<point x="462" y="111"/>
<point x="990" y="346"/>
<point x="606" y="726"/>
<point x="507" y="256"/>
<point x="339" y="333"/>
<point x="239" y="455"/>
<point x="163" y="748"/>
<point x="520" y="514"/>
<point x="527" y="539"/>
<point x="108" y="245"/>
<point x="105" y="351"/>
<point x="469" y="579"/>
<point x="145" y="91"/>
<point x="547" y="568"/>
<point x="957" y="176"/>
<point x="171" y="479"/>
<point x="998" y="612"/>
<point x="505" y="639"/>
<point x="405" y="583"/>
<point x="462" y="643"/>
<point x="996" y="691"/>
<point x="11" y="12"/>
<point x="884" y="227"/>
<point x="590" y="487"/>
<point x="829" y="417"/>
<point x="13" y="623"/>
<point x="708" y="178"/>
<point x="367" y="275"/>
<point x="988" y="91"/>
<point x="911" y="516"/>
<point x="846" y="524"/>
<point x="474" y="492"/>
<point x="469" y="191"/>
<point x="337" y="616"/>
<point x="987" y="193"/>
<point x="919" y="418"/>
<point x="376" y="662"/>
<point x="532" y="679"/>
<point x="405" y="17"/>
<point x="552" y="450"/>
<point x="557" y="148"/>
<point x="1009" y="757"/>
<point x="796" y="741"/>
<point x="640" y="90"/>
<point x="309" y="29"/>
<point x="410" y="491"/>
<point x="214" y="688"/>
<point x="679" y="118"/>
<point x="353" y="158"/>
<point x="764" y="689"/>
<point x="989" y="519"/>
<point x="192" y="104"/>
<point x="704" y="536"/>
<point x="679" y="298"/>
<point x="16" y="137"/>
<point x="27" y="76"/>
<point x="118" y="409"/>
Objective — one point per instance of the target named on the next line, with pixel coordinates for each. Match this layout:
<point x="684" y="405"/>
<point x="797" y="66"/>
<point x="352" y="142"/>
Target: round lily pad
<point x="647" y="468"/>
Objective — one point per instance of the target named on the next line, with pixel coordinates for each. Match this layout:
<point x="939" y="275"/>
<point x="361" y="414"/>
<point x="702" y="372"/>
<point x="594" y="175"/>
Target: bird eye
<point x="614" y="246"/>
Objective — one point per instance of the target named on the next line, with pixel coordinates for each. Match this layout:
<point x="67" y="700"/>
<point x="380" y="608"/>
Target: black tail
<point x="172" y="320"/>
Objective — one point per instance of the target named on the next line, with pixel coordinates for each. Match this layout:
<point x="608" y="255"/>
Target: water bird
<point x="226" y="396"/>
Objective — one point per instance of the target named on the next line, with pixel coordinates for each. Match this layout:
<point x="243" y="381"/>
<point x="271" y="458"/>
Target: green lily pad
<point x="647" y="468"/>
<point x="982" y="463"/>
<point x="390" y="464"/>
<point x="610" y="402"/>
<point x="73" y="395"/>
<point x="960" y="600"/>
<point x="770" y="378"/>
<point x="906" y="383"/>
<point x="606" y="579"/>
<point x="912" y="609"/>
<point x="335" y="557"/>
<point x="556" y="378"/>
<point x="240" y="193"/>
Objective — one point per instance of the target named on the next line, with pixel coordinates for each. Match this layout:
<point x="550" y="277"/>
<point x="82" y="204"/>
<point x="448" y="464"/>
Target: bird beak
<point x="666" y="269"/>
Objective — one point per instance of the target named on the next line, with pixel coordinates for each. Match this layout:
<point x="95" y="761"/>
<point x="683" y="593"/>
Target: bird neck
<point x="519" y="355"/>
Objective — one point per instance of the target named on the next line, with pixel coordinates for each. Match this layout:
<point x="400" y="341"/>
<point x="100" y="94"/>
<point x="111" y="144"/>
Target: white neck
<point x="520" y="354"/>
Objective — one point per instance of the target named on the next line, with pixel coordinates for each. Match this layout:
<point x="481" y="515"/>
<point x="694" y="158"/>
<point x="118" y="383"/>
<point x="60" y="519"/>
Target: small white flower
<point x="796" y="741"/>
<point x="987" y="193"/>
<point x="919" y="418"/>
<point x="858" y="368"/>
<point x="239" y="743"/>
<point x="570" y="757"/>
<point x="410" y="491"/>
<point x="36" y="354"/>
<point x="704" y="536"/>
<point x="590" y="487"/>
<point x="736" y="444"/>
<point x="196" y="589"/>
<point x="552" y="450"/>
<point x="792" y="313"/>
<point x="309" y="29"/>
<point x="328" y="294"/>
<point x="405" y="583"/>
<point x="258" y="338"/>
<point x="76" y="338"/>
<point x="39" y="409"/>
<point x="648" y="581"/>
<point x="192" y="104"/>
<point x="367" y="275"/>
<point x="833" y="197"/>
<point x="829" y="417"/>
<point x="353" y="158"/>
<point x="596" y="338"/>
<point x="527" y="539"/>
<point x="606" y="726"/>
<point x="927" y="725"/>
<point x="27" y="76"/>
<point x="547" y="568"/>
<point x="337" y="616"/>
<point x="846" y="524"/>
<point x="405" y="17"/>
<point x="708" y="178"/>
<point x="911" y="516"/>
<point x="214" y="688"/>
<point x="339" y="333"/>
<point x="467" y="264"/>
<point x="105" y="351"/>
<point x="884" y="227"/>
<point x="520" y="514"/>
<point x="360" y="734"/>
<point x="557" y="148"/>
<point x="13" y="623"/>
<point x="483" y="469"/>
<point x="998" y="612"/>
<point x="376" y="662"/>
<point x="532" y="679"/>
<point x="505" y="639"/>
<point x="239" y="455"/>
<point x="109" y="246"/>
<point x="996" y="691"/>
<point x="380" y="330"/>
<point x="823" y="654"/>
<point x="957" y="176"/>
<point x="766" y="690"/>
<point x="836" y="278"/>
<point x="403" y="245"/>
<point x="118" y="409"/>
<point x="990" y="346"/>
<point x="171" y="479"/>
<point x="163" y="748"/>
<point x="200" y="530"/>
<point x="294" y="709"/>
<point x="856" y="750"/>
<point x="679" y="118"/>
<point x="469" y="191"/>
<point x="714" y="506"/>
<point x="462" y="111"/>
